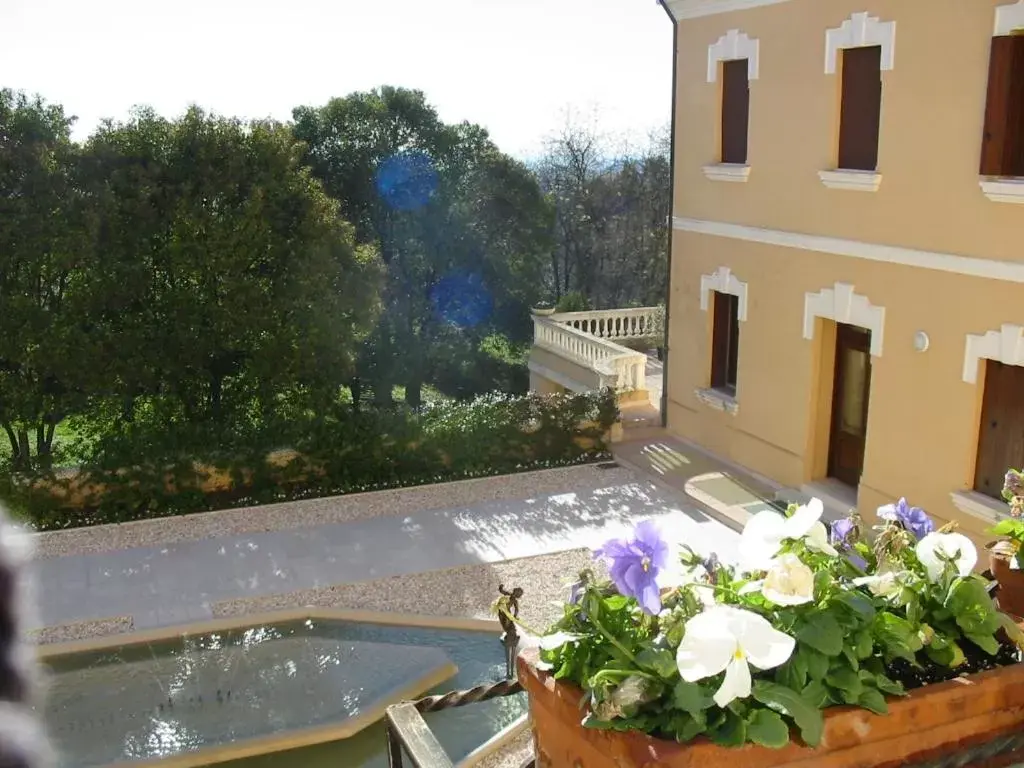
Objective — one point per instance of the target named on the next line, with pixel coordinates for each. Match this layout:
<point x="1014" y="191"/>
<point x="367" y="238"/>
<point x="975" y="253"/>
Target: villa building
<point x="846" y="311"/>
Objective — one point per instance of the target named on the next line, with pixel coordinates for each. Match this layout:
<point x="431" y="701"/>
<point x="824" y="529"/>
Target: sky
<point x="520" y="68"/>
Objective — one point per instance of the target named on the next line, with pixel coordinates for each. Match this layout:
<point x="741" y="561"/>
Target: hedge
<point x="141" y="472"/>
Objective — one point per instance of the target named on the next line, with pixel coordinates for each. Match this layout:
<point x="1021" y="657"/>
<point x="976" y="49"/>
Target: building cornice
<point x="692" y="9"/>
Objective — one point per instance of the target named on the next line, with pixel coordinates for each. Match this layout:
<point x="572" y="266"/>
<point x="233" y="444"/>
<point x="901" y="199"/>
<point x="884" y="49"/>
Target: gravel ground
<point x="333" y="509"/>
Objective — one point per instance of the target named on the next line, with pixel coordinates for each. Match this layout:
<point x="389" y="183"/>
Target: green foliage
<point x="483" y="221"/>
<point x="48" y="361"/>
<point x="574" y="301"/>
<point x="154" y="468"/>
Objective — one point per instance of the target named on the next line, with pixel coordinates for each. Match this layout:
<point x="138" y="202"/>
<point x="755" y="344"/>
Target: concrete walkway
<point x="180" y="582"/>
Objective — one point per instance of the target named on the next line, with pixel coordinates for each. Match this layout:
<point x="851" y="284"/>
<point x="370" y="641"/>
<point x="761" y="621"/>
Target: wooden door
<point x="1001" y="437"/>
<point x="850" y="393"/>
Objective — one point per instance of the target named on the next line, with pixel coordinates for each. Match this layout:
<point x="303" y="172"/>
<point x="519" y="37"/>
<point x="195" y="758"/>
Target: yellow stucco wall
<point x="933" y="104"/>
<point x="923" y="418"/>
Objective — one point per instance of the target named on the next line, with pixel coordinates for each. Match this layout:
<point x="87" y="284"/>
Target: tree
<point x="612" y="214"/>
<point x="463" y="230"/>
<point x="47" y="368"/>
<point x="225" y="274"/>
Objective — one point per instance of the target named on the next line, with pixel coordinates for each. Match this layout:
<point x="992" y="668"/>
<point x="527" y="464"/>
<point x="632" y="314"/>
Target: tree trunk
<point x="12" y="438"/>
<point x="414" y="394"/>
<point x="216" y="393"/>
<point x="355" y="386"/>
<point x="23" y="458"/>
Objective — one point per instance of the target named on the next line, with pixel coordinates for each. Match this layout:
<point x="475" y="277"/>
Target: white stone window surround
<point x="858" y="31"/>
<point x="1009" y="19"/>
<point x="1005" y="189"/>
<point x="724" y="281"/>
<point x="841" y="304"/>
<point x="731" y="46"/>
<point x="1005" y="346"/>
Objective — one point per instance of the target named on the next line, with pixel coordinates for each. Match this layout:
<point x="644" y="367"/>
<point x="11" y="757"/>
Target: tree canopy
<point x="463" y="230"/>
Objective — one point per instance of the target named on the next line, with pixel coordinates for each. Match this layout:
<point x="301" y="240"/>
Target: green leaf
<point x="596" y="724"/>
<point x="731" y="733"/>
<point x="891" y="687"/>
<point x="987" y="643"/>
<point x="1012" y="629"/>
<point x="816" y="694"/>
<point x="807" y="717"/>
<point x="873" y="700"/>
<point x="767" y="728"/>
<point x="859" y="603"/>
<point x="1005" y="527"/>
<point x="972" y="607"/>
<point x="817" y="664"/>
<point x="822" y="584"/>
<point x="690" y="697"/>
<point x="690" y="728"/>
<point x="823" y="633"/>
<point x="658" y="660"/>
<point x="865" y="644"/>
<point x="846" y="680"/>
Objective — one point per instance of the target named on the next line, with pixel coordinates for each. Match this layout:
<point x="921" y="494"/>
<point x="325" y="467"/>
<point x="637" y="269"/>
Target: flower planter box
<point x="947" y="718"/>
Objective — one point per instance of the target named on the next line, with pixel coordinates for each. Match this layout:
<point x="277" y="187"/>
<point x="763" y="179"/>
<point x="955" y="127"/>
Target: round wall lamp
<point x="921" y="341"/>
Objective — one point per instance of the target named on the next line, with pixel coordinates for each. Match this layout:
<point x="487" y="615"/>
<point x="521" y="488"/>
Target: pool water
<point x="198" y="697"/>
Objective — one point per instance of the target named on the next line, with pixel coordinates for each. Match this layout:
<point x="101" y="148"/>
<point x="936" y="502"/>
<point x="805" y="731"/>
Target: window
<point x="1001" y="437"/>
<point x="861" y="110"/>
<point x="735" y="110"/>
<point x="725" y="343"/>
<point x="1002" y="148"/>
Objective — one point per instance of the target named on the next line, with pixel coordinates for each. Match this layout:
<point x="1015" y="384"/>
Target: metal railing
<point x="408" y="734"/>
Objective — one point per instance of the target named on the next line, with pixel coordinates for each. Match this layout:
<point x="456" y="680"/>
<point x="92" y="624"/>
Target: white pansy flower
<point x="789" y="581"/>
<point x="937" y="549"/>
<point x="880" y="584"/>
<point x="817" y="540"/>
<point x="763" y="534"/>
<point x="728" y="639"/>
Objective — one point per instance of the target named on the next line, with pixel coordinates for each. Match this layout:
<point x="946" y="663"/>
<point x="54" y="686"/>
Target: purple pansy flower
<point x="914" y="519"/>
<point x="576" y="590"/>
<point x="634" y="564"/>
<point x="839" y="536"/>
<point x="1013" y="483"/>
<point x="840" y="531"/>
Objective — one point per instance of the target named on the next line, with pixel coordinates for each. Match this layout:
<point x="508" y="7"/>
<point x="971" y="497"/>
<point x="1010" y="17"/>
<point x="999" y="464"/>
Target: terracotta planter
<point x="947" y="718"/>
<point x="1011" y="582"/>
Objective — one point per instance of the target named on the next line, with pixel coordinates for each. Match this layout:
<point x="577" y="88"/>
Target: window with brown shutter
<point x="1001" y="437"/>
<point x="861" y="110"/>
<point x="725" y="343"/>
<point x="1002" y="146"/>
<point x="735" y="111"/>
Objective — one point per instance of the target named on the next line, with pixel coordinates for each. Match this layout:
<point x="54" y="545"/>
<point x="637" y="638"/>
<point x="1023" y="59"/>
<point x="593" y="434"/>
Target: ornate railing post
<point x="408" y="733"/>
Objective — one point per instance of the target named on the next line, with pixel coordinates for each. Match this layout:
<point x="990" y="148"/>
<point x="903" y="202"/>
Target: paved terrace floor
<point x="181" y="581"/>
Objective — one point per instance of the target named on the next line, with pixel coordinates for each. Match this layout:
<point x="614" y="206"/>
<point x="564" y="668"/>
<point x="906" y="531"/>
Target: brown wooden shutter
<point x="735" y="111"/>
<point x="725" y="342"/>
<point x="1001" y="437"/>
<point x="997" y="106"/>
<point x="1015" y="142"/>
<point x="861" y="110"/>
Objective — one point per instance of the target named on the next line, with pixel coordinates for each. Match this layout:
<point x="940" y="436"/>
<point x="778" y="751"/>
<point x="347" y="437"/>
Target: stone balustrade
<point x="615" y="365"/>
<point x="634" y="323"/>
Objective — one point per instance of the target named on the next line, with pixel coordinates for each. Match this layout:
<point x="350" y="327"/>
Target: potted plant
<point x="1006" y="557"/>
<point x="815" y="647"/>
